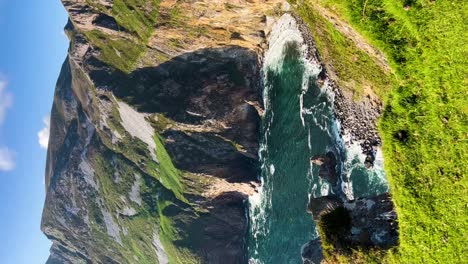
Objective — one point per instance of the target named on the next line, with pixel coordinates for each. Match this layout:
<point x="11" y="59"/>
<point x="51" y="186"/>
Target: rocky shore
<point x="358" y="119"/>
<point x="363" y="223"/>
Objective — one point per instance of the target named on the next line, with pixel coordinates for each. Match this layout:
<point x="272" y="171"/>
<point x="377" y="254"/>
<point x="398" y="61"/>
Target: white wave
<point x="325" y="189"/>
<point x="284" y="31"/>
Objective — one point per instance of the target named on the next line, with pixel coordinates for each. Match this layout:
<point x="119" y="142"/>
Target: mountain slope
<point x="153" y="146"/>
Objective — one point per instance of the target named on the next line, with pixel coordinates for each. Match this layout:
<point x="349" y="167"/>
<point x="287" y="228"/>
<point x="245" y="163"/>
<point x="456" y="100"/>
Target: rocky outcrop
<point x="154" y="135"/>
<point x="369" y="222"/>
<point x="373" y="222"/>
<point x="312" y="252"/>
<point x="327" y="167"/>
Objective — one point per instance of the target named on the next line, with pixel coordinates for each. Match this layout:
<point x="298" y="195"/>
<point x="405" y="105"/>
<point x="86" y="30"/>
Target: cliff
<point x="153" y="146"/>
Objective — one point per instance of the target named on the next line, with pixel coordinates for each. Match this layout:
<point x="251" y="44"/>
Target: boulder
<point x="327" y="167"/>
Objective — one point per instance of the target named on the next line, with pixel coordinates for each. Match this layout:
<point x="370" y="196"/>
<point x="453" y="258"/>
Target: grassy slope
<point x="425" y="121"/>
<point x="161" y="187"/>
<point x="136" y="17"/>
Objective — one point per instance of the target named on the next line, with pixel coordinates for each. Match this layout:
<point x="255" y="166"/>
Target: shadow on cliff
<point x="208" y="88"/>
<point x="210" y="92"/>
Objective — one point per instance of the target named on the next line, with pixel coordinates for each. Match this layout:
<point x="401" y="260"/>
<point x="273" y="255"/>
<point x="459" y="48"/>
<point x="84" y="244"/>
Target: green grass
<point x="119" y="52"/>
<point x="424" y="126"/>
<point x="137" y="19"/>
<point x="165" y="171"/>
<point x="354" y="68"/>
<point x="137" y="16"/>
<point x="150" y="214"/>
<point x="331" y="227"/>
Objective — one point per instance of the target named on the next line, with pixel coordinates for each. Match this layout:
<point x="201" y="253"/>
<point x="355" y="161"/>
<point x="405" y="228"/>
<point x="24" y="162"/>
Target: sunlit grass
<point x="424" y="126"/>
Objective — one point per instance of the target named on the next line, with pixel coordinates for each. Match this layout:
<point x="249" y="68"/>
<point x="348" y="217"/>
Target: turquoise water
<point x="286" y="151"/>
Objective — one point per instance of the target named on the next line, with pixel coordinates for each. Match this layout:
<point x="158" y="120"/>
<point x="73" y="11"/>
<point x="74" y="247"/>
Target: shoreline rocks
<point x="327" y="167"/>
<point x="363" y="223"/>
<point x="357" y="119"/>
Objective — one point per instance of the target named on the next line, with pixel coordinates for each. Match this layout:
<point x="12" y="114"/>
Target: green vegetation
<point x="166" y="173"/>
<point x="170" y="234"/>
<point x="424" y="125"/>
<point x="139" y="228"/>
<point x="137" y="16"/>
<point x="119" y="52"/>
<point x="331" y="227"/>
<point x="175" y="18"/>
<point x="116" y="177"/>
<point x="136" y="19"/>
<point x="354" y="68"/>
<point x="115" y="167"/>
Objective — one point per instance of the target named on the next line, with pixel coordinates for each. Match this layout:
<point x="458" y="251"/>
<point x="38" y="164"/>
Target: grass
<point x="354" y="68"/>
<point x="165" y="171"/>
<point x="424" y="126"/>
<point x="160" y="178"/>
<point x="150" y="214"/>
<point x="119" y="52"/>
<point x="137" y="19"/>
<point x="137" y="16"/>
<point x="331" y="227"/>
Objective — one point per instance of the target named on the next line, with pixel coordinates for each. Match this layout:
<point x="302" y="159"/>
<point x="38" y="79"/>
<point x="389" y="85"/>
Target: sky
<point x="32" y="50"/>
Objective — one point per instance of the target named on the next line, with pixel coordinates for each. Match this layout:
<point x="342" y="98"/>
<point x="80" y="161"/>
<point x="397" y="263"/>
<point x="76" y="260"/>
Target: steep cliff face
<point x="153" y="146"/>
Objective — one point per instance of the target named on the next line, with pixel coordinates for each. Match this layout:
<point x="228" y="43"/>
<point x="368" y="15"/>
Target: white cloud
<point x="6" y="100"/>
<point x="7" y="156"/>
<point x="43" y="134"/>
<point x="7" y="159"/>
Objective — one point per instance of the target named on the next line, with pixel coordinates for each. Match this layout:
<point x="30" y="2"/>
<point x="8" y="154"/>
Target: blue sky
<point x="32" y="49"/>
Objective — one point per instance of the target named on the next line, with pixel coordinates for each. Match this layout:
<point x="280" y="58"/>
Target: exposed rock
<point x="327" y="166"/>
<point x="357" y="118"/>
<point x="105" y="21"/>
<point x="312" y="252"/>
<point x="323" y="205"/>
<point x="158" y="247"/>
<point x="374" y="222"/>
<point x="136" y="124"/>
<point x="134" y="193"/>
<point x="369" y="222"/>
<point x="194" y="88"/>
<point x="221" y="186"/>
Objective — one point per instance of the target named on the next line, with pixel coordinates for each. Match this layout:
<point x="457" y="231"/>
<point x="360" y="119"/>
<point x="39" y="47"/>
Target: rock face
<point x="373" y="222"/>
<point x="327" y="166"/>
<point x="312" y="252"/>
<point x="154" y="132"/>
<point x="365" y="223"/>
<point x="358" y="119"/>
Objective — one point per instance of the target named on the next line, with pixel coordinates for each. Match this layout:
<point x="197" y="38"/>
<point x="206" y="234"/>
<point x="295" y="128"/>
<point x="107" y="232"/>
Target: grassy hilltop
<point x="424" y="125"/>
